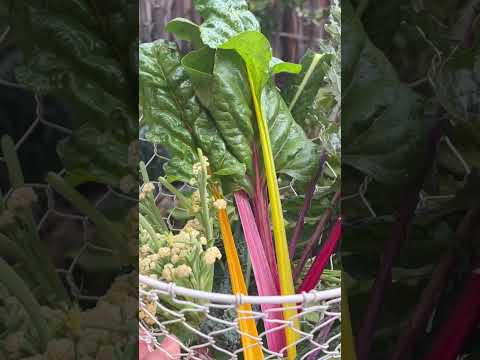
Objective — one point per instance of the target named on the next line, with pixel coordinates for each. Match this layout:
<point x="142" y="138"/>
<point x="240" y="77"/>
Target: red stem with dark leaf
<point x="399" y="231"/>
<point x="313" y="240"/>
<point x="438" y="282"/>
<point x="313" y="276"/>
<point x="310" y="190"/>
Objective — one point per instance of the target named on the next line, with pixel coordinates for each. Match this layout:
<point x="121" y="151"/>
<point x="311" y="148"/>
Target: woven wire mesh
<point x="51" y="206"/>
<point x="166" y="309"/>
<point x="318" y="314"/>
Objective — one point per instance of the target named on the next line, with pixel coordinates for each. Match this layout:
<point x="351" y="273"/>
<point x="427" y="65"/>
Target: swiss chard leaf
<point x="177" y="121"/>
<point x="185" y="29"/>
<point x="221" y="82"/>
<point x="222" y="86"/>
<point x="231" y="104"/>
<point x="457" y="84"/>
<point x="224" y="19"/>
<point x="66" y="55"/>
<point x="382" y="124"/>
<point x="294" y="154"/>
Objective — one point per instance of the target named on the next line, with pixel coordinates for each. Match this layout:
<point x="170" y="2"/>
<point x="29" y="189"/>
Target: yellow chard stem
<point x="251" y="346"/>
<point x="279" y="234"/>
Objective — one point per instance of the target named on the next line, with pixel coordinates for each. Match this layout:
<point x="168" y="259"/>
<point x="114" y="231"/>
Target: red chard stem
<point x="313" y="276"/>
<point x="313" y="240"/>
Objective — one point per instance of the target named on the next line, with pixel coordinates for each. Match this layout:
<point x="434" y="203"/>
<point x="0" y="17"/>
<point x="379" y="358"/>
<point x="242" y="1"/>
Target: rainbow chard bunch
<point x="221" y="98"/>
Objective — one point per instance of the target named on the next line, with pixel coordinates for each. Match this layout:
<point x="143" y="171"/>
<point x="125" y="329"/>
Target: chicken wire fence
<point x="166" y="309"/>
<point x="318" y="313"/>
<point x="51" y="207"/>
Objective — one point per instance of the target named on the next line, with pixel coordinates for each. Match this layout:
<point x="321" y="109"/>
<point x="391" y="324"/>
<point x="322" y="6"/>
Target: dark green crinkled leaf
<point x="224" y="19"/>
<point x="222" y="86"/>
<point x="294" y="154"/>
<point x="176" y="119"/>
<point x="225" y="91"/>
<point x="187" y="30"/>
<point x="231" y="105"/>
<point x="84" y="164"/>
<point x="382" y="126"/>
<point x="66" y="57"/>
<point x="160" y="109"/>
<point x="199" y="66"/>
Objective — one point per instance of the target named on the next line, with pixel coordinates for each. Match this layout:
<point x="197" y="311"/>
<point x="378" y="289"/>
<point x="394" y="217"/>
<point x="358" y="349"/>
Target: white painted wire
<point x="173" y="306"/>
<point x="172" y="316"/>
<point x="172" y="289"/>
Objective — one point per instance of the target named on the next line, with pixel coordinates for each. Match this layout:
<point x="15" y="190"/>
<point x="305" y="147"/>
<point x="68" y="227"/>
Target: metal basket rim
<point x="172" y="289"/>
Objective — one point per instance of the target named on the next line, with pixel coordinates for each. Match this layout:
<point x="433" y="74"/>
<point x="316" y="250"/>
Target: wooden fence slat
<point x="290" y="40"/>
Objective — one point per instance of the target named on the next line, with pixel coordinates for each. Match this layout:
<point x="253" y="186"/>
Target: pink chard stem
<point x="266" y="284"/>
<point x="262" y="216"/>
<point x="313" y="276"/>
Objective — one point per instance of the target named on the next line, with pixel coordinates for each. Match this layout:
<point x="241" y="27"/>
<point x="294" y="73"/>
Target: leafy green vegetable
<point x="224" y="19"/>
<point x="221" y="83"/>
<point x="294" y="154"/>
<point x="175" y="118"/>
<point x="257" y="56"/>
<point x="76" y="153"/>
<point x="65" y="56"/>
<point x="186" y="30"/>
<point x="256" y="52"/>
<point x="279" y="66"/>
<point x="383" y="127"/>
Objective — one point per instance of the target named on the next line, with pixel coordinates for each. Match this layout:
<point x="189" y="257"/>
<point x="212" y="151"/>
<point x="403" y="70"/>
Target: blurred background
<point x="292" y="25"/>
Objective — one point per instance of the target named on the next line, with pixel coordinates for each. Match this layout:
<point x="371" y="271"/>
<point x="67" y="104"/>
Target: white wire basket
<point x="206" y="325"/>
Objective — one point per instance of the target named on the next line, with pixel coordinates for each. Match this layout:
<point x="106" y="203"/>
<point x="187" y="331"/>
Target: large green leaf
<point x="231" y="104"/>
<point x="66" y="55"/>
<point x="175" y="118"/>
<point x="294" y="154"/>
<point x="256" y="52"/>
<point x="185" y="29"/>
<point x="221" y="82"/>
<point x="382" y="124"/>
<point x="224" y="19"/>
